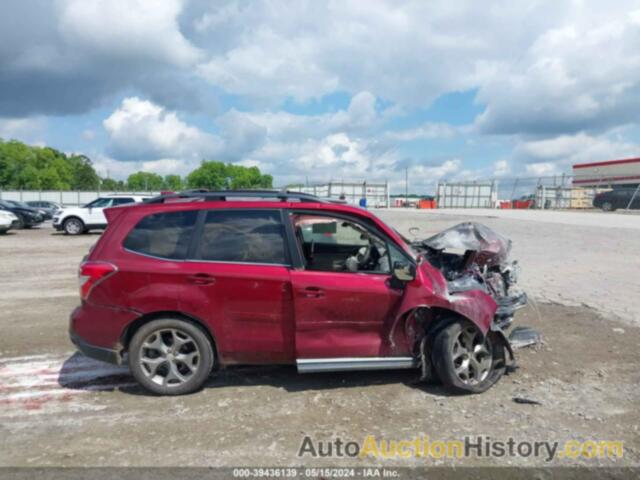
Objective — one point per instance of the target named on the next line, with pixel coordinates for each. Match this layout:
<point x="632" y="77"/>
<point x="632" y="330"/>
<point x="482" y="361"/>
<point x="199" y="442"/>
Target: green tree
<point x="111" y="184"/>
<point x="15" y="157"/>
<point x="28" y="178"/>
<point x="173" y="182"/>
<point x="50" y="179"/>
<point x="145" y="181"/>
<point x="219" y="176"/>
<point x="84" y="177"/>
<point x="209" y="174"/>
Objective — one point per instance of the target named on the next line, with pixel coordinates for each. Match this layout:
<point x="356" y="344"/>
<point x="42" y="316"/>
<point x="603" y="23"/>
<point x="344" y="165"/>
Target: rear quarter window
<point x="164" y="235"/>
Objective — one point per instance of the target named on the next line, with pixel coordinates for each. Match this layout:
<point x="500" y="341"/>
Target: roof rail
<point x="224" y="195"/>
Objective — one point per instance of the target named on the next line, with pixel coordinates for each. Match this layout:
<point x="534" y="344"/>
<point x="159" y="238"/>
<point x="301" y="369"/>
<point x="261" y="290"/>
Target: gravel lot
<point x="59" y="408"/>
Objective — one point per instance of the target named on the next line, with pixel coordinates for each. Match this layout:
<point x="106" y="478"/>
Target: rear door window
<point x="122" y="201"/>
<point x="164" y="235"/>
<point x="242" y="236"/>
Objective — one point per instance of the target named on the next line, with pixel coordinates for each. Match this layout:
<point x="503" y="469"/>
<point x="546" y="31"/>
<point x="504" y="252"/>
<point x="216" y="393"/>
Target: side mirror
<point x="404" y="271"/>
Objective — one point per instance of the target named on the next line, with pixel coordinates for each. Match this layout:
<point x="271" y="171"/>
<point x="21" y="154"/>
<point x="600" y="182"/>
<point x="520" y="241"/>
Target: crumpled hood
<point x="491" y="247"/>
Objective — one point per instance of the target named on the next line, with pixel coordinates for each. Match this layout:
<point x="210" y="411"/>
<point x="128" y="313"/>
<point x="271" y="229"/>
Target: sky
<point x="325" y="90"/>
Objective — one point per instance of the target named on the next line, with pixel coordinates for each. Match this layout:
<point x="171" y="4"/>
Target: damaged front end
<point x="455" y="315"/>
<point x="473" y="257"/>
<point x="474" y="262"/>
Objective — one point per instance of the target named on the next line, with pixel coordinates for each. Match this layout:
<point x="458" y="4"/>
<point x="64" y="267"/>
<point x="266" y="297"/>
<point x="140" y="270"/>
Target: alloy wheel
<point x="472" y="357"/>
<point x="169" y="357"/>
<point x="73" y="226"/>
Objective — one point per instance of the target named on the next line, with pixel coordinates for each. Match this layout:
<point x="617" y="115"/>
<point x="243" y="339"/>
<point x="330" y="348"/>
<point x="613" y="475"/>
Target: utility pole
<point x="406" y="187"/>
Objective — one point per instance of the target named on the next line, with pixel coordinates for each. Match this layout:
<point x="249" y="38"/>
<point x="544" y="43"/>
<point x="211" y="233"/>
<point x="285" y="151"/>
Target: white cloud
<point x="362" y="109"/>
<point x="127" y="28"/>
<point x="335" y="156"/>
<point x="564" y="150"/>
<point x="428" y="130"/>
<point x="425" y="177"/>
<point x="559" y="78"/>
<point x="336" y="152"/>
<point x="360" y="115"/>
<point x="542" y="169"/>
<point x="69" y="56"/>
<point x="501" y="168"/>
<point x="166" y="166"/>
<point x="140" y="130"/>
<point x="25" y="129"/>
<point x="582" y="75"/>
<point x="108" y="167"/>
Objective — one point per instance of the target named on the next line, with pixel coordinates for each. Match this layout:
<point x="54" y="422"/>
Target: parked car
<point x="27" y="217"/>
<point x="7" y="221"/>
<point x="184" y="284"/>
<point x="77" y="220"/>
<point x="41" y="211"/>
<point x="49" y="208"/>
<point x="617" y="198"/>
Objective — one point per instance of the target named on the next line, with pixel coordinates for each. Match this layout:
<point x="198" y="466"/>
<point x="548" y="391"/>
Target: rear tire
<point x="607" y="207"/>
<point x="73" y="226"/>
<point x="465" y="361"/>
<point x="20" y="224"/>
<point x="171" y="357"/>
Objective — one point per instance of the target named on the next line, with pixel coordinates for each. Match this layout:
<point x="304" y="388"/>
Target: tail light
<point x="91" y="274"/>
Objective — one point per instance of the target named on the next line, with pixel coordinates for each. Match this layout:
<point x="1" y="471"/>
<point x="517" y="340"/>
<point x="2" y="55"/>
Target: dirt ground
<point x="59" y="408"/>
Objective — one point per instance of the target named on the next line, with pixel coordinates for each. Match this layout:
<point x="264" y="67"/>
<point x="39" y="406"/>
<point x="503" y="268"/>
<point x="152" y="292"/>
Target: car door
<point x="95" y="215"/>
<point x="338" y="312"/>
<point x="238" y="272"/>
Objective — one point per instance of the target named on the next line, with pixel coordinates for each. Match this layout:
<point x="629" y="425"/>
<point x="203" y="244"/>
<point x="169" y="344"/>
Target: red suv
<point x="187" y="283"/>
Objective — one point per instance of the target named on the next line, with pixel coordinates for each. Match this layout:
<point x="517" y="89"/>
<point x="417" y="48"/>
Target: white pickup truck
<point x="77" y="220"/>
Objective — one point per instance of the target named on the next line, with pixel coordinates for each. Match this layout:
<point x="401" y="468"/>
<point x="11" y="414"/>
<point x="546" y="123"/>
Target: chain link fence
<point x="550" y="192"/>
<point x="365" y="194"/>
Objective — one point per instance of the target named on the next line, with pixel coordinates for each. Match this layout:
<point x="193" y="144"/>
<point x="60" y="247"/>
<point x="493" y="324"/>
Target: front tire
<point x="20" y="224"/>
<point x="73" y="226"/>
<point x="171" y="357"/>
<point x="607" y="207"/>
<point x="465" y="360"/>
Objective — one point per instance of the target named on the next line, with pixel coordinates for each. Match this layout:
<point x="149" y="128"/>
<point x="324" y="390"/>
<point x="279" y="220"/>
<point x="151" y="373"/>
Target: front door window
<point x="331" y="244"/>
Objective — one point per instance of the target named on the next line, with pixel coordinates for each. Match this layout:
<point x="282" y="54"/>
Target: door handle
<point x="201" y="279"/>
<point x="313" y="292"/>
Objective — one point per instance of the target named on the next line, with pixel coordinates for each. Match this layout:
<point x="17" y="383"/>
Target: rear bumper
<point x="97" y="331"/>
<point x="99" y="353"/>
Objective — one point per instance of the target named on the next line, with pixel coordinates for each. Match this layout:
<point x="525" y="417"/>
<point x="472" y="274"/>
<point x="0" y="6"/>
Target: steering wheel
<point x="363" y="256"/>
